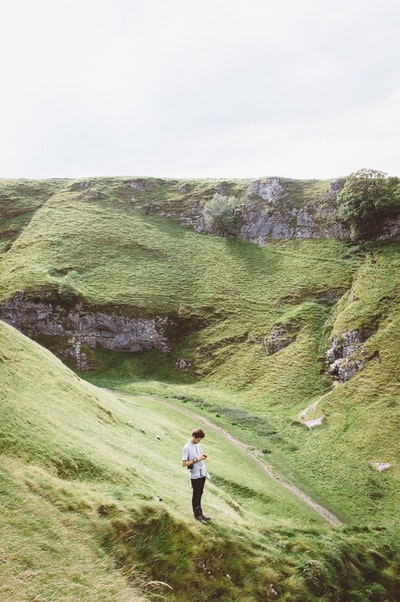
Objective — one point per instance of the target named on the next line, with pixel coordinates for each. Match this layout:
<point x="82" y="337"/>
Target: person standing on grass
<point x="193" y="458"/>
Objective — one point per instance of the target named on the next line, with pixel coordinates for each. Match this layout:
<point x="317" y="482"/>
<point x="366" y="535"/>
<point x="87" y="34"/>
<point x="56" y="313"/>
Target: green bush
<point x="367" y="197"/>
<point x="221" y="214"/>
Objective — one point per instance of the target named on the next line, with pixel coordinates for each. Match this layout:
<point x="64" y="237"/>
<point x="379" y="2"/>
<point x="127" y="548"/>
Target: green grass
<point x="19" y="199"/>
<point x="45" y="424"/>
<point x="154" y="265"/>
<point x="225" y="295"/>
<point x="67" y="449"/>
<point x="72" y="465"/>
<point x="49" y="551"/>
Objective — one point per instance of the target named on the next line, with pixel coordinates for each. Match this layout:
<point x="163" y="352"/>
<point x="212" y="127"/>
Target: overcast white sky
<point x="213" y="88"/>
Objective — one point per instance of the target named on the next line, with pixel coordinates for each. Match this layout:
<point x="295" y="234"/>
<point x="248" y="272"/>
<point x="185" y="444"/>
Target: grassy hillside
<point x="80" y="518"/>
<point x="227" y="294"/>
<point x="116" y="245"/>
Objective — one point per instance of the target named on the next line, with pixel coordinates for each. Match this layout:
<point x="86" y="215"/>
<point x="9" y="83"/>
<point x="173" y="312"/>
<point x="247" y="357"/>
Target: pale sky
<point x="184" y="89"/>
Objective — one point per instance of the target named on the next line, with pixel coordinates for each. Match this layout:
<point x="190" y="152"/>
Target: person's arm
<point x="191" y="462"/>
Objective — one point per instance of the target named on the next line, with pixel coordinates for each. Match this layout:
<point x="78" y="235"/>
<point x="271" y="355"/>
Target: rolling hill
<point x="289" y="346"/>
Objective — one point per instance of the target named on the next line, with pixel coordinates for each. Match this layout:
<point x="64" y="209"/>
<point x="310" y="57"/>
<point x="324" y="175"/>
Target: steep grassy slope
<point x="71" y="243"/>
<point x="79" y="520"/>
<point x="363" y="415"/>
<point x="52" y="418"/>
<point x="19" y="199"/>
<point x="227" y="294"/>
<point x="93" y="244"/>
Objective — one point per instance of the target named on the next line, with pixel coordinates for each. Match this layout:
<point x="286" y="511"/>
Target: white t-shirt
<point x="191" y="451"/>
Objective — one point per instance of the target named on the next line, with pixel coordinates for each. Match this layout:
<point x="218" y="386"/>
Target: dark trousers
<point x="198" y="488"/>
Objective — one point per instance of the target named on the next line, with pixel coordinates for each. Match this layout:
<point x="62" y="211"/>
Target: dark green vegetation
<point x="368" y="197"/>
<point x="221" y="214"/>
<point x="249" y="331"/>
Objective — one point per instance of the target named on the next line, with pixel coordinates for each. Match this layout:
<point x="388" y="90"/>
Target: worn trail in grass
<point x="272" y="474"/>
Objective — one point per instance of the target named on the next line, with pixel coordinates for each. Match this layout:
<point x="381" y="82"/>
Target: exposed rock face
<point x="269" y="190"/>
<point x="345" y="355"/>
<point x="277" y="339"/>
<point x="81" y="326"/>
<point x="266" y="215"/>
<point x="267" y="211"/>
<point x="336" y="187"/>
<point x="389" y="228"/>
<point x="270" y="209"/>
<point x="259" y="225"/>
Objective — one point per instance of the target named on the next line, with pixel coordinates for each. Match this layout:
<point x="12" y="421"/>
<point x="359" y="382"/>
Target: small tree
<point x="367" y="197"/>
<point x="221" y="214"/>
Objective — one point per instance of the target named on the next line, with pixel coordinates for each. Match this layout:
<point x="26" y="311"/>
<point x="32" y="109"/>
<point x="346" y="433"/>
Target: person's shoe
<point x="202" y="519"/>
<point x="207" y="518"/>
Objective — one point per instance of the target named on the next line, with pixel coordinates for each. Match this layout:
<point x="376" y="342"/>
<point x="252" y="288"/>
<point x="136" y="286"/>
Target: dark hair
<point x="198" y="433"/>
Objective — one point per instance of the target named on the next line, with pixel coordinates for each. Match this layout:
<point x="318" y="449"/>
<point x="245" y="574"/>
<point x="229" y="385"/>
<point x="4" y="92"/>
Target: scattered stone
<point x="182" y="364"/>
<point x="80" y="357"/>
<point x="137" y="184"/>
<point x="316" y="422"/>
<point x="80" y="185"/>
<point x="265" y="216"/>
<point x="142" y="431"/>
<point x="380" y="466"/>
<point x="389" y="228"/>
<point x="129" y="423"/>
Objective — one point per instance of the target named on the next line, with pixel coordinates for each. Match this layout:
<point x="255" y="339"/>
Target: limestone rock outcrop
<point x="268" y="212"/>
<point x="346" y="355"/>
<point x="278" y="338"/>
<point x="79" y="326"/>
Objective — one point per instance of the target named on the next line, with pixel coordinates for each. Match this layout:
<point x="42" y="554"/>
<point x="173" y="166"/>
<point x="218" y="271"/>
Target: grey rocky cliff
<point x="267" y="212"/>
<point x="347" y="355"/>
<point x="81" y="326"/>
<point x="389" y="228"/>
<point x="270" y="208"/>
